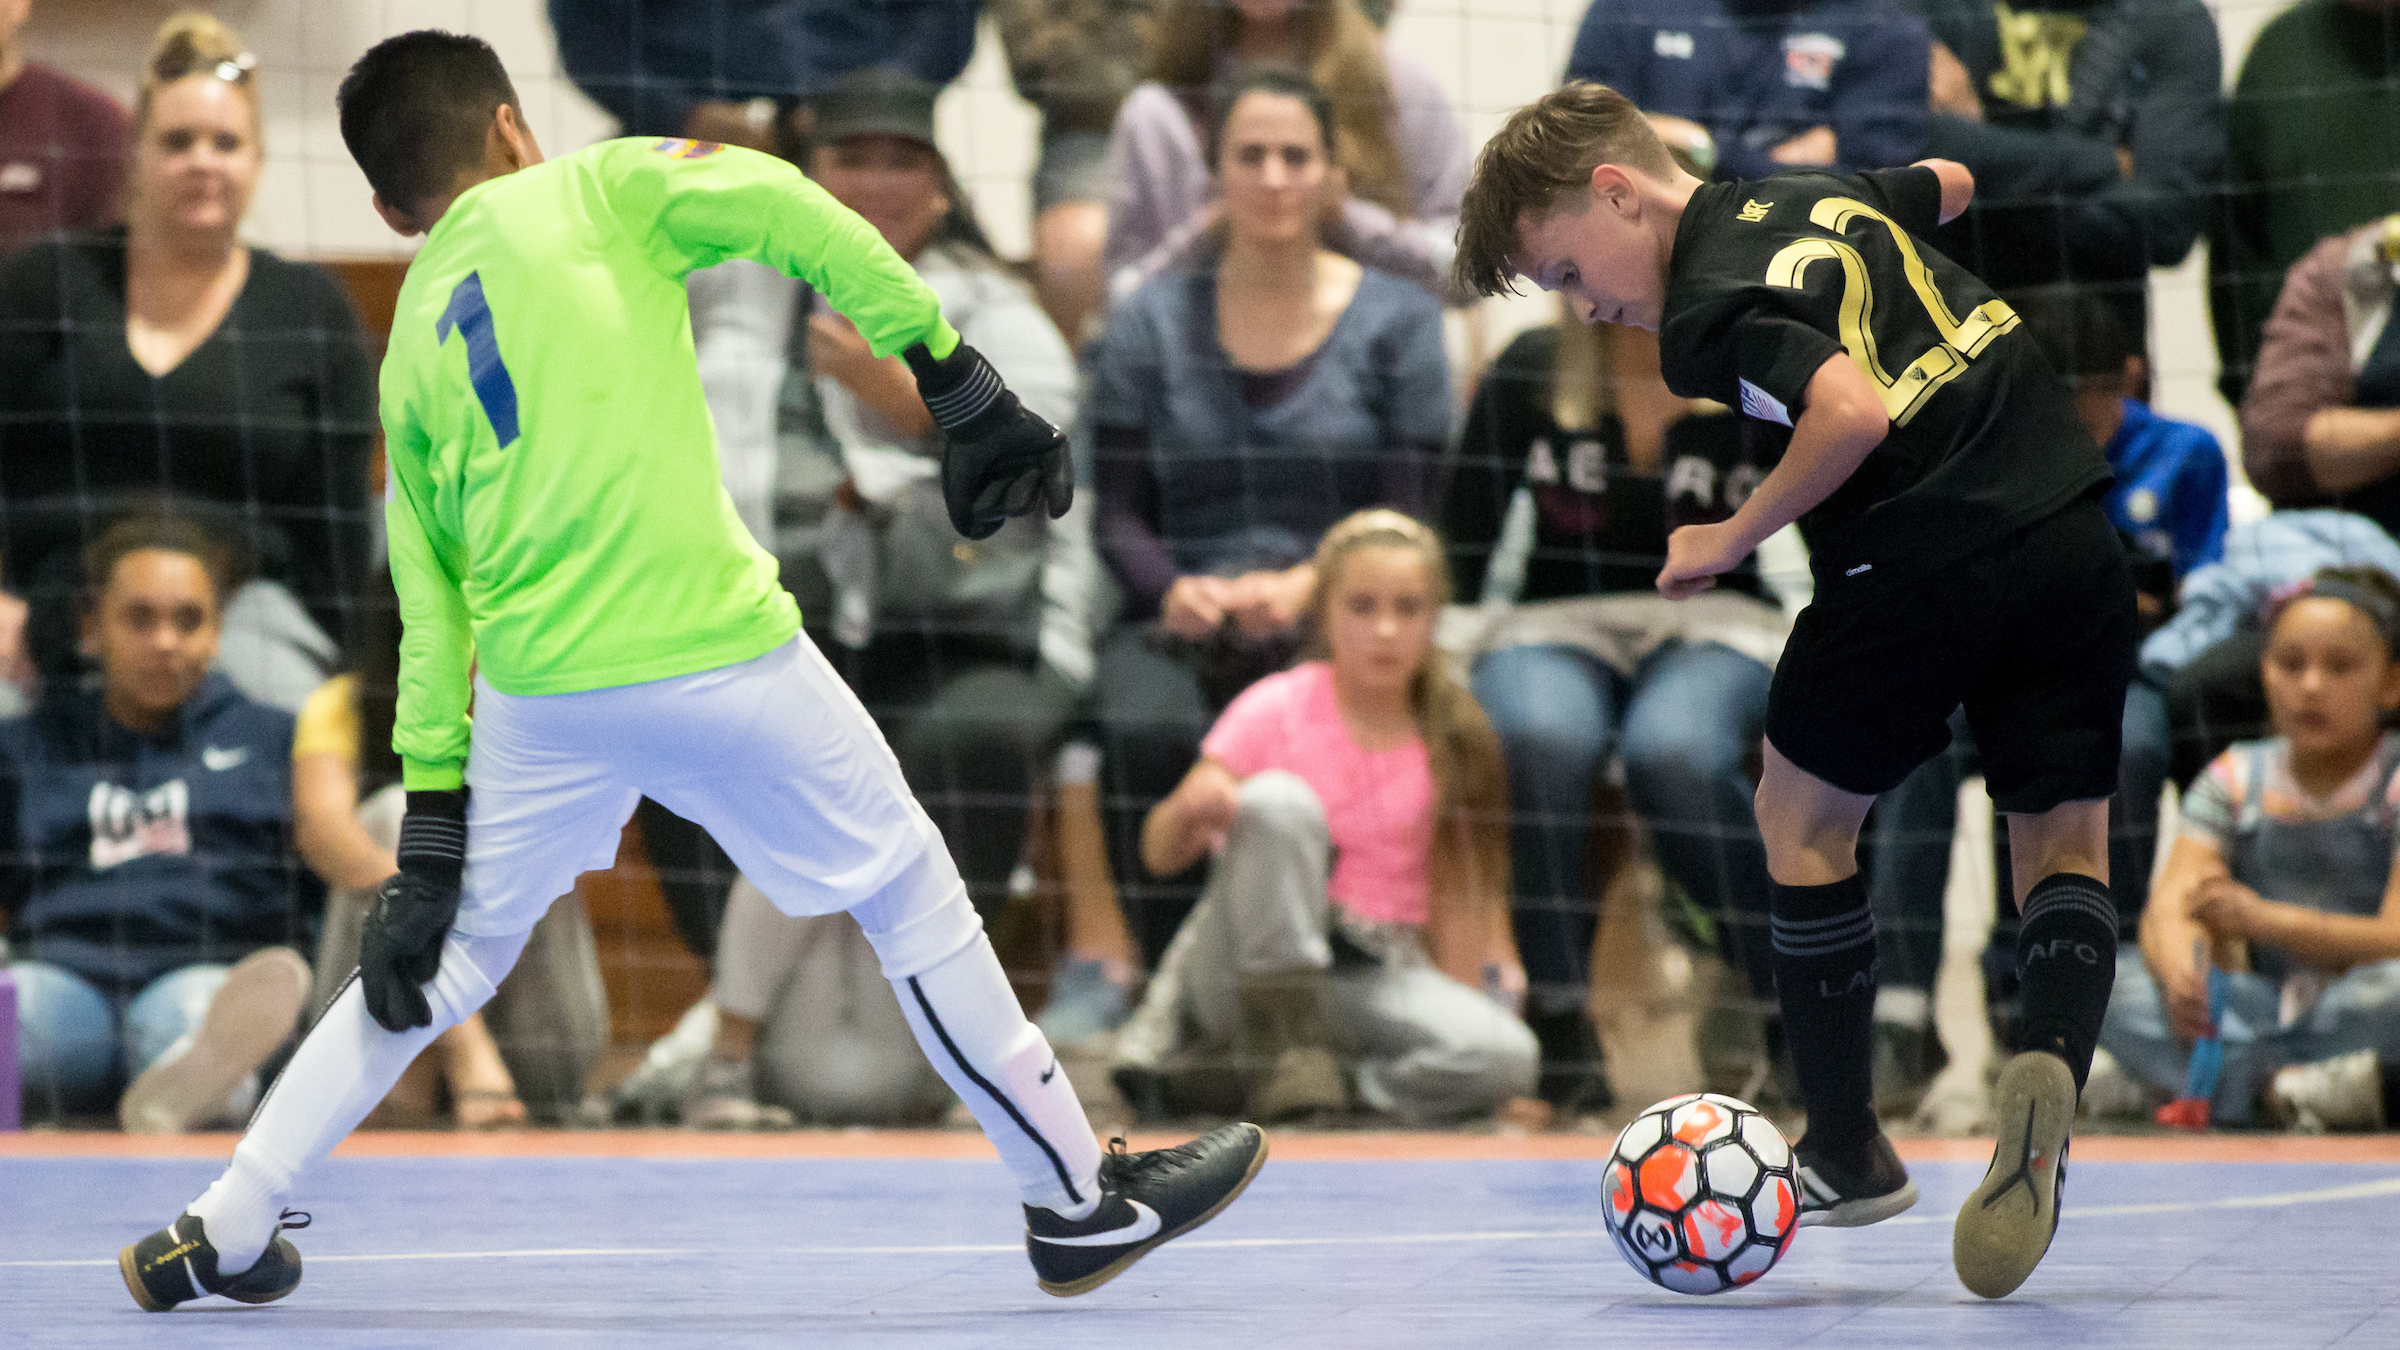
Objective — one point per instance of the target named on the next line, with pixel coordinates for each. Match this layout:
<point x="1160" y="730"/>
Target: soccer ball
<point x="1702" y="1195"/>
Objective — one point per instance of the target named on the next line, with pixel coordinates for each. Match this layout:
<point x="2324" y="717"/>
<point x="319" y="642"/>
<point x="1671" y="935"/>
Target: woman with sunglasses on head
<point x="166" y="359"/>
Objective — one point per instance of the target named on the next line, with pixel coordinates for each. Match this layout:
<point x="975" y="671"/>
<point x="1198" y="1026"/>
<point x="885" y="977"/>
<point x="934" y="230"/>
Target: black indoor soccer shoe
<point x="1853" y="1190"/>
<point x="2005" y="1227"/>
<point x="177" y="1264"/>
<point x="1145" y="1199"/>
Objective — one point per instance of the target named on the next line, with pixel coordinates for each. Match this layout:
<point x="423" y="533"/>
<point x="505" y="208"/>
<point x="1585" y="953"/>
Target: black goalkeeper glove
<point x="1001" y="460"/>
<point x="402" y="945"/>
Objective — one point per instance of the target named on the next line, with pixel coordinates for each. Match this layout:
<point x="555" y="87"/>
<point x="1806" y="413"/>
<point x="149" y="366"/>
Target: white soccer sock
<point x="971" y="1027"/>
<point x="342" y="1069"/>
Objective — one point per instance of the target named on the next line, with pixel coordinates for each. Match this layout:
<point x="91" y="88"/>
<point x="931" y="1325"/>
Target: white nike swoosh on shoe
<point x="1144" y="1225"/>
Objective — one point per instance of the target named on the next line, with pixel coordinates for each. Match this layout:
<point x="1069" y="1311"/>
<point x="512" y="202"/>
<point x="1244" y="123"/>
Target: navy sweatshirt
<point x="123" y="857"/>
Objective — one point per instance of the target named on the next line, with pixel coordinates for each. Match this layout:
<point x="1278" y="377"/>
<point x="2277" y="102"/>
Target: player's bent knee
<point x="921" y="918"/>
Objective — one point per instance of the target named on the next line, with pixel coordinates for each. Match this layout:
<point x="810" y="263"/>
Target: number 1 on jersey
<point x="472" y="317"/>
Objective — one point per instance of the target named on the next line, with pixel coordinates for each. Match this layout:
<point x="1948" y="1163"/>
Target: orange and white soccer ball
<point x="1701" y="1194"/>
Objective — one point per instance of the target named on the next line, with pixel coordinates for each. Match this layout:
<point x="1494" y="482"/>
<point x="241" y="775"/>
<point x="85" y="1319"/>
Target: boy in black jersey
<point x="1951" y="499"/>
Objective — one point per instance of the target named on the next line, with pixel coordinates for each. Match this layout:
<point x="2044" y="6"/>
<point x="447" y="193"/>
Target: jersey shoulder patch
<point x="683" y="147"/>
<point x="1764" y="406"/>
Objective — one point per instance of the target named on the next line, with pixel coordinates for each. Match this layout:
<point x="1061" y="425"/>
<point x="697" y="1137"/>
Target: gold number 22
<point x="1904" y="395"/>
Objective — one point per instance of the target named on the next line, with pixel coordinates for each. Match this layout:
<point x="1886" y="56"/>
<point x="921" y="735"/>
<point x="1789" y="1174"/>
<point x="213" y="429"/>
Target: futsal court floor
<point x="663" y="1239"/>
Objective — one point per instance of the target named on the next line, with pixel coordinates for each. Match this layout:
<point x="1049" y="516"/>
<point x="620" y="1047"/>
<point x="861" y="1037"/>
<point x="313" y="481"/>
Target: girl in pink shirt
<point x="1357" y="905"/>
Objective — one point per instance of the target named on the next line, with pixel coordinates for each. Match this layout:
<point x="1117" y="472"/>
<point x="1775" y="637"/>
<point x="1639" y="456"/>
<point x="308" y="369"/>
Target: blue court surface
<point x="548" y="1249"/>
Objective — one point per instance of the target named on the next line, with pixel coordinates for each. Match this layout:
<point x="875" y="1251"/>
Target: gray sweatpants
<point x="1423" y="1046"/>
<point x="833" y="1046"/>
<point x="550" y="1018"/>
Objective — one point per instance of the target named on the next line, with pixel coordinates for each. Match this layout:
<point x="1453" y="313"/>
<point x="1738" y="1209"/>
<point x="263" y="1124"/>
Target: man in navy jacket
<point x="719" y="70"/>
<point x="2095" y="130"/>
<point x="145" y="854"/>
<point x="1773" y="84"/>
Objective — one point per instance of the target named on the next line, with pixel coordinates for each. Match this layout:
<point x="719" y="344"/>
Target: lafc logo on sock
<point x="2057" y="947"/>
<point x="1861" y="981"/>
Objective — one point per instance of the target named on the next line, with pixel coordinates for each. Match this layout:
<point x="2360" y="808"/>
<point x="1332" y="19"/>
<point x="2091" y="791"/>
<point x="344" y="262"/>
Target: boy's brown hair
<point x="1545" y="150"/>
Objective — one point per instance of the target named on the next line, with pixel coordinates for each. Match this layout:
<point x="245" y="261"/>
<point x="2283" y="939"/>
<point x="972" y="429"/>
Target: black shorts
<point x="2036" y="634"/>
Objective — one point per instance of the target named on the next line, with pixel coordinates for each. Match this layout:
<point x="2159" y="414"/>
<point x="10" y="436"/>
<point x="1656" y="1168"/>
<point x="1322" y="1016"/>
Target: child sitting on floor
<point x="2284" y="872"/>
<point x="1358" y="810"/>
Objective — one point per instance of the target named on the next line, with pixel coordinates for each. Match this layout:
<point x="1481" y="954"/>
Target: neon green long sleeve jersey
<point x="557" y="518"/>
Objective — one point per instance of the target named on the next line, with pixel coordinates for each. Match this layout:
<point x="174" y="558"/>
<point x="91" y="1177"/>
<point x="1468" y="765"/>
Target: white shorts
<point x="773" y="756"/>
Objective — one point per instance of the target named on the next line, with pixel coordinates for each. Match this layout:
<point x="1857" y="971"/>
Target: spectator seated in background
<point x="2321" y="420"/>
<point x="2169" y="498"/>
<point x="972" y="657"/>
<point x="1575" y="465"/>
<point x="1401" y="167"/>
<point x="2206" y="657"/>
<point x="148" y="828"/>
<point x="2095" y="132"/>
<point x="1237" y="411"/>
<point x="717" y="72"/>
<point x="799" y="1026"/>
<point x="1075" y="60"/>
<point x="1355" y="925"/>
<point x="2169" y="506"/>
<point x="551" y="1014"/>
<point x="168" y="360"/>
<point x="62" y="144"/>
<point x="741" y="74"/>
<point x="2283" y="877"/>
<point x="2309" y="153"/>
<point x="1747" y="89"/>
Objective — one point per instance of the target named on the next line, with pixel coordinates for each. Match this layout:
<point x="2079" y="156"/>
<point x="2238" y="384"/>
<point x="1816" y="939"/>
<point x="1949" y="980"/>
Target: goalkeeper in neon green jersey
<point x="567" y="556"/>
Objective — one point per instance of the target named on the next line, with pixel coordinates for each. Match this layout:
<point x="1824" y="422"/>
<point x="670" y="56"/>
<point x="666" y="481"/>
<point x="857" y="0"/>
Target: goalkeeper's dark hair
<point x="415" y="110"/>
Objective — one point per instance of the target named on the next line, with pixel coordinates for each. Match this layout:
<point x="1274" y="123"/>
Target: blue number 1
<point x="471" y="316"/>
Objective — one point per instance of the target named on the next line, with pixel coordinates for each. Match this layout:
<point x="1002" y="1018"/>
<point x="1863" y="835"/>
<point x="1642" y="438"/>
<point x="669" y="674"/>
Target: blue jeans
<point x="77" y="1045"/>
<point x="1908" y="848"/>
<point x="2359" y="1011"/>
<point x="1685" y="726"/>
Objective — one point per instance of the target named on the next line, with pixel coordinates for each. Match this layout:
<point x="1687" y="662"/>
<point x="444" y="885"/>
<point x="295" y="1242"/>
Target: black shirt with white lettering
<point x="1771" y="277"/>
<point x="1600" y="524"/>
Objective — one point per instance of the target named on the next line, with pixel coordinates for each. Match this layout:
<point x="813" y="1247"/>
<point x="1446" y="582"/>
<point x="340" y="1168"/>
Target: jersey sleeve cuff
<point x="944" y="339"/>
<point x="418" y="776"/>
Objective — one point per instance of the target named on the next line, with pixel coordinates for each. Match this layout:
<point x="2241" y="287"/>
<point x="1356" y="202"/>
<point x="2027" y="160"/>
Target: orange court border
<point x="1287" y="1145"/>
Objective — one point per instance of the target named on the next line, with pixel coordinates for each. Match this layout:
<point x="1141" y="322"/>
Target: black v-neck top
<point x="271" y="418"/>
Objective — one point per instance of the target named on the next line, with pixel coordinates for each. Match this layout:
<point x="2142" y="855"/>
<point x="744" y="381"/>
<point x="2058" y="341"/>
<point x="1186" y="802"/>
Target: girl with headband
<point x="2283" y="875"/>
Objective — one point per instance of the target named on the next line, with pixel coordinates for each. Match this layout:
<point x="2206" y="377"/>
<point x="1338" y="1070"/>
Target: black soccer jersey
<point x="1770" y="277"/>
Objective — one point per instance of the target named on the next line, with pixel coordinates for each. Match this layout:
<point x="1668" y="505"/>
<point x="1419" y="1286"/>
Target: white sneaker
<point x="2109" y="1093"/>
<point x="721" y="1098"/>
<point x="207" y="1076"/>
<point x="2342" y="1093"/>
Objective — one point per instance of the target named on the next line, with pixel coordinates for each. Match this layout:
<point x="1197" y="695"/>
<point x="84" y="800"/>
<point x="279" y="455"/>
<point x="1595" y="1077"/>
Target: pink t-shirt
<point x="1378" y="806"/>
